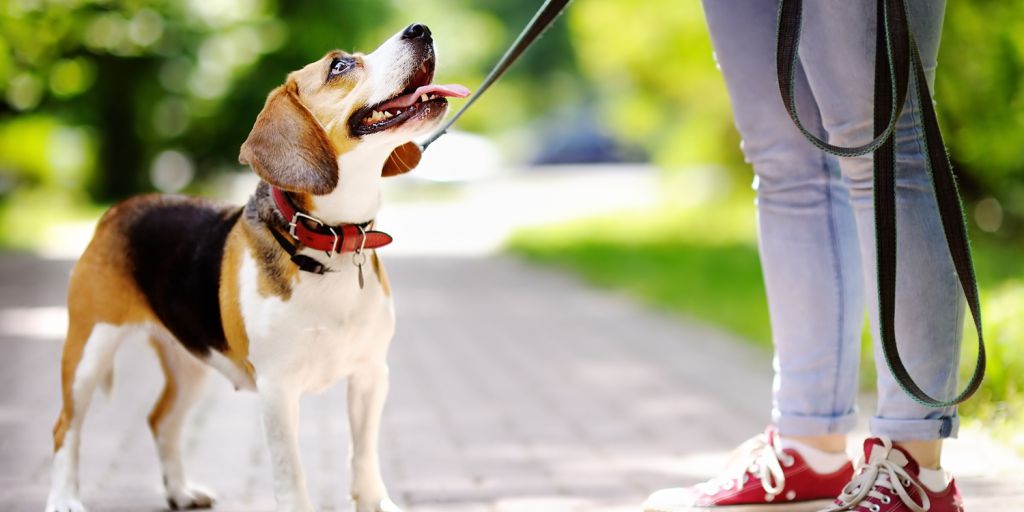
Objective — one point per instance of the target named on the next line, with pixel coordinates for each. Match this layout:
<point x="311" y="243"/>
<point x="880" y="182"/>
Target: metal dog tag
<point x="358" y="258"/>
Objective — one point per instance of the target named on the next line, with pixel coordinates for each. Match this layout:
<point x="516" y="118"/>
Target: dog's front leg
<point x="367" y="389"/>
<point x="280" y="420"/>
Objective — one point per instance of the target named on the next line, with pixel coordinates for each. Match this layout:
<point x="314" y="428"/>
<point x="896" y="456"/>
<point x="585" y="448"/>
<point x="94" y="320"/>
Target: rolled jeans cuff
<point x="805" y="425"/>
<point x="909" y="430"/>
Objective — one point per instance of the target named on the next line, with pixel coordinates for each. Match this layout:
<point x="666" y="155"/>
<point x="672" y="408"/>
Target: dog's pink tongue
<point x="448" y="91"/>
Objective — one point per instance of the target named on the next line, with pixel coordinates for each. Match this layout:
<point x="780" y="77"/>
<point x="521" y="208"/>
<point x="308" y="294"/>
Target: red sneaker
<point x="767" y="478"/>
<point x="887" y="481"/>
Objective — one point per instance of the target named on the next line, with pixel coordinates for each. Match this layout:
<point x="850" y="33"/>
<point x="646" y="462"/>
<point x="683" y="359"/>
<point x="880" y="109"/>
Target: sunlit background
<point x="608" y="150"/>
<point x="106" y="99"/>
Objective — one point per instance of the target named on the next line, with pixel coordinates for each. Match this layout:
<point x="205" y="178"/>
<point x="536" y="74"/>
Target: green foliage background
<point x="94" y="91"/>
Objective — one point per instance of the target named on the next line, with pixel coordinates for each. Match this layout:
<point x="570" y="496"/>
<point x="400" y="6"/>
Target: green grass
<point x="701" y="262"/>
<point x="31" y="219"/>
<point x="704" y="267"/>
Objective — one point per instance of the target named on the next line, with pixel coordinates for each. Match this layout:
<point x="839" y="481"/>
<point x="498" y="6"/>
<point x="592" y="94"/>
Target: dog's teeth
<point x="387" y="115"/>
<point x="423" y="97"/>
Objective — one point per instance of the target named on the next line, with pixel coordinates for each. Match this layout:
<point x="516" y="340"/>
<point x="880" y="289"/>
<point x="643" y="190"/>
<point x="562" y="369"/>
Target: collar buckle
<point x="295" y="222"/>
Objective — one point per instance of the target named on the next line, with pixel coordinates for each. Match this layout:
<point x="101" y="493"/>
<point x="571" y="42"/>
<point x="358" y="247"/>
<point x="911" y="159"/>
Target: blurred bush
<point x="651" y="63"/>
<point x="106" y="98"/>
<point x="980" y="96"/>
<point x="103" y="99"/>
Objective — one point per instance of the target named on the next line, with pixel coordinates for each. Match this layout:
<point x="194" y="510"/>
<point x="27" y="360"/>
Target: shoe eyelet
<point x="788" y="462"/>
<point x="886" y="500"/>
<point x="875" y="507"/>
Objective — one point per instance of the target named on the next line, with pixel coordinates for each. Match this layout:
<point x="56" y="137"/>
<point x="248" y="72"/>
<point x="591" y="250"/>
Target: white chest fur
<point x="322" y="332"/>
<point x="357" y="197"/>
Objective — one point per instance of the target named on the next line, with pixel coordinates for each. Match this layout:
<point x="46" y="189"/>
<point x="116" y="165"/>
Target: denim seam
<point x="838" y="273"/>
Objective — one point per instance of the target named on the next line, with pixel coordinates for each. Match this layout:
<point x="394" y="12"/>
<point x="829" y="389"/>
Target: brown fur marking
<point x="169" y="393"/>
<point x="276" y="270"/>
<point x="230" y="307"/>
<point x="101" y="273"/>
<point x="287" y="147"/>
<point x="382" y="275"/>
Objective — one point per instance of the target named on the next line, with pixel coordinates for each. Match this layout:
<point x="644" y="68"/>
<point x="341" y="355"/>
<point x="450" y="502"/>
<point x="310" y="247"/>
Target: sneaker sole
<point x="800" y="506"/>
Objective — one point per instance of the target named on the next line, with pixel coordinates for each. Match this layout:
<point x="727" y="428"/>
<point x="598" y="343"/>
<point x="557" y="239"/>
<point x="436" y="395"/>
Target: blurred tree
<point x="120" y="96"/>
<point x="172" y="87"/>
<point x="652" y="63"/>
<point x="980" y="96"/>
<point x="138" y="74"/>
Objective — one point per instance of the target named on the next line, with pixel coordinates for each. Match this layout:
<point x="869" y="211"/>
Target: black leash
<point x="892" y="73"/>
<point x="541" y="21"/>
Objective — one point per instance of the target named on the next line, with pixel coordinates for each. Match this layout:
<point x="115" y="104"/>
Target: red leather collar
<point x="341" y="238"/>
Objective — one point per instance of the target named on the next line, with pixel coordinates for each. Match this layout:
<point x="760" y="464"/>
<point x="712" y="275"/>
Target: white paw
<point x="188" y="497"/>
<point x="64" y="504"/>
<point x="382" y="505"/>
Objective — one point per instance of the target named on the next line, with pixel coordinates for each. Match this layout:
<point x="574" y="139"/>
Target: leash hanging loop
<point x="892" y="75"/>
<point x="893" y="34"/>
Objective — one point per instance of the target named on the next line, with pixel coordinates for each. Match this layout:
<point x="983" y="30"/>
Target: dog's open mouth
<point x="418" y="96"/>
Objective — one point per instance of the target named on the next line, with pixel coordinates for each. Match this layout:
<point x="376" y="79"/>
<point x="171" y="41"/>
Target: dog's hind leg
<point x="184" y="376"/>
<point x="88" y="355"/>
<point x="367" y="390"/>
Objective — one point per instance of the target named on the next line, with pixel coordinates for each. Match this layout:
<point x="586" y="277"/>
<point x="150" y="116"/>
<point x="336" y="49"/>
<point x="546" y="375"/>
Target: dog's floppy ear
<point x="402" y="160"/>
<point x="287" y="147"/>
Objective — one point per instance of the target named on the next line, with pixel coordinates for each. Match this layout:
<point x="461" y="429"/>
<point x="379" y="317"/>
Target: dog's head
<point x="343" y="102"/>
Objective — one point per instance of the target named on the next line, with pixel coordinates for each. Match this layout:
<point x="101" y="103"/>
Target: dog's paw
<point x="64" y="504"/>
<point x="384" y="505"/>
<point x="189" y="497"/>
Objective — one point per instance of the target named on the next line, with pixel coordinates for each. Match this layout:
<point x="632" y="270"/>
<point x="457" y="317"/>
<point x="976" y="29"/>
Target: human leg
<point x="810" y="260"/>
<point x="806" y="232"/>
<point x="838" y="57"/>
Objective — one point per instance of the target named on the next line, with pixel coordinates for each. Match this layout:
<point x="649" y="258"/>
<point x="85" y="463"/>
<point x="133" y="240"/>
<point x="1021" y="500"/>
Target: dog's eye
<point x="339" y="66"/>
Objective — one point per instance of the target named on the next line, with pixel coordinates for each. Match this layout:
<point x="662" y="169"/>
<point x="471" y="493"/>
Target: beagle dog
<point x="283" y="296"/>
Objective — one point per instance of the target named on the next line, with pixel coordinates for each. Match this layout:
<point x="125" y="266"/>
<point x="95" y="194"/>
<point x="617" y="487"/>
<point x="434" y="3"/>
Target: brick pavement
<point x="514" y="389"/>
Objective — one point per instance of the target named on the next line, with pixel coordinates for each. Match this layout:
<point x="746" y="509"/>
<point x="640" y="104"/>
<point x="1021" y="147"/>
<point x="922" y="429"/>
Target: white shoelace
<point x="872" y="476"/>
<point x="760" y="456"/>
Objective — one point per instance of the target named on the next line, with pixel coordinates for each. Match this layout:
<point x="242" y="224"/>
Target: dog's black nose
<point x="416" y="31"/>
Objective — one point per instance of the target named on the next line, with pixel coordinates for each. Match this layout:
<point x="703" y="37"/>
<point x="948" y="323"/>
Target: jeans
<point x="816" y="221"/>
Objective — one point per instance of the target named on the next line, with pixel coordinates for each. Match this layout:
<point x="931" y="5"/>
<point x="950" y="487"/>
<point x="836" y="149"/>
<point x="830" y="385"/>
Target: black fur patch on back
<point x="176" y="245"/>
